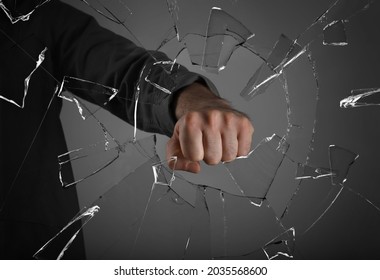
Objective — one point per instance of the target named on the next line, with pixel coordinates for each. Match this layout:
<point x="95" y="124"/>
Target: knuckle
<point x="229" y="119"/>
<point x="191" y="120"/>
<point x="213" y="117"/>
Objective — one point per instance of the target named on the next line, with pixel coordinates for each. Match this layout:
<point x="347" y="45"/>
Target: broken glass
<point x="283" y="244"/>
<point x="21" y="11"/>
<point x="21" y="90"/>
<point x="239" y="226"/>
<point x="118" y="14"/>
<point x="331" y="23"/>
<point x="143" y="214"/>
<point x="310" y="172"/>
<point x="361" y="97"/>
<point x="283" y="54"/>
<point x="254" y="173"/>
<point x="334" y="34"/>
<point x="21" y="104"/>
<point x="221" y="24"/>
<point x="56" y="247"/>
<point x="140" y="208"/>
<point x="340" y="161"/>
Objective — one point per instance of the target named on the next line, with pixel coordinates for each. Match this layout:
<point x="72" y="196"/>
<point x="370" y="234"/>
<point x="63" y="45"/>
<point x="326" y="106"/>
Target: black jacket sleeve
<point x="87" y="51"/>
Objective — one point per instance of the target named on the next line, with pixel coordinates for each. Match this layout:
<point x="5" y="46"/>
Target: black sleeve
<point x="90" y="52"/>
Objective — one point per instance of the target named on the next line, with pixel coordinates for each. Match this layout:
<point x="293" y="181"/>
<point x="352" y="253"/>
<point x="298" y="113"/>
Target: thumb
<point x="173" y="148"/>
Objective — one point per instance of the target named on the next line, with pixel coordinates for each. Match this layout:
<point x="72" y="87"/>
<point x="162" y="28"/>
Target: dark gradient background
<point x="349" y="230"/>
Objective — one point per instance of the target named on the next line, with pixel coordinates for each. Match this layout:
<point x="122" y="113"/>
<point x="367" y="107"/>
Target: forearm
<point x="90" y="52"/>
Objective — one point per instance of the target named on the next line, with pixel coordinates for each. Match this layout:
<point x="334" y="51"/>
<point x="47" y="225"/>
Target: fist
<point x="211" y="131"/>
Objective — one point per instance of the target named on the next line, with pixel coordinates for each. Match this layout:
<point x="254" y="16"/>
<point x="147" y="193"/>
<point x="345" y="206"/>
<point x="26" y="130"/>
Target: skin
<point x="209" y="130"/>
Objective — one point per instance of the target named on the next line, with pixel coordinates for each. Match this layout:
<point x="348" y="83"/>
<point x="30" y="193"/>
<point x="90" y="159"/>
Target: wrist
<point x="197" y="97"/>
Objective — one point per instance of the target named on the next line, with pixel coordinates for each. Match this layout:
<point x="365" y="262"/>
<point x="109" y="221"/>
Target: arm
<point x="202" y="125"/>
<point x="87" y="51"/>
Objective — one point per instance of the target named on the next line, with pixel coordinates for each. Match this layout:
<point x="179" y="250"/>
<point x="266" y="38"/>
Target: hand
<point x="208" y="129"/>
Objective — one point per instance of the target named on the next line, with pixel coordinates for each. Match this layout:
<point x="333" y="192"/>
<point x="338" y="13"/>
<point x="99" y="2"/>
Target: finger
<point x="190" y="140"/>
<point x="173" y="149"/>
<point x="244" y="141"/>
<point x="212" y="143"/>
<point x="230" y="145"/>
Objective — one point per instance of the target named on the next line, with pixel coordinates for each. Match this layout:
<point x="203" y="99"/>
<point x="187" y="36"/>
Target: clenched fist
<point x="208" y="129"/>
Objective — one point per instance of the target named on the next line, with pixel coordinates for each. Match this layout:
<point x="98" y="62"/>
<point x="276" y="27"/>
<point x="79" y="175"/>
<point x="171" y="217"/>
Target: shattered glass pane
<point x="135" y="206"/>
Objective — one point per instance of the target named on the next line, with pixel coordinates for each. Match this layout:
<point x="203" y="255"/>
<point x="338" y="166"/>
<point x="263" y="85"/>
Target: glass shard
<point x="301" y="99"/>
<point x="341" y="160"/>
<point x="53" y="248"/>
<point x="162" y="173"/>
<point x="361" y="98"/>
<point x="283" y="187"/>
<point x="219" y="25"/>
<point x="254" y="173"/>
<point x="282" y="245"/>
<point x="169" y="68"/>
<point x="310" y="203"/>
<point x="334" y="34"/>
<point x="363" y="198"/>
<point x="141" y="219"/>
<point x="309" y="172"/>
<point x="238" y="227"/>
<point x="173" y="9"/>
<point x="185" y="190"/>
<point x="87" y="162"/>
<point x="331" y="22"/>
<point x="22" y="12"/>
<point x="85" y="158"/>
<point x="118" y="13"/>
<point x="335" y="196"/>
<point x="21" y="103"/>
<point x="100" y="94"/>
<point x="283" y="54"/>
<point x="320" y="197"/>
<point x="157" y="80"/>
